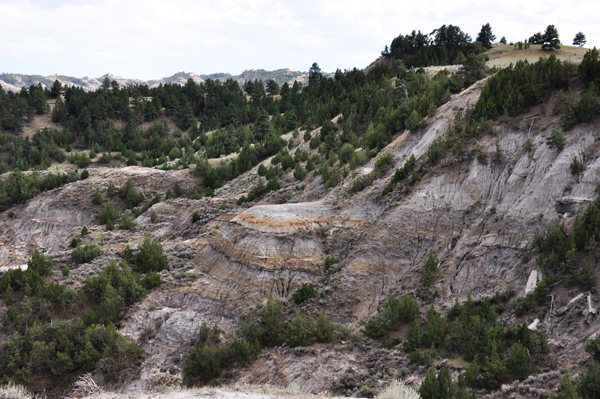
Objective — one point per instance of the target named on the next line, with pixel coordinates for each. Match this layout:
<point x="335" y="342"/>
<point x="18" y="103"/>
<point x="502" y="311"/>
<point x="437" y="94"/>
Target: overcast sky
<point x="154" y="38"/>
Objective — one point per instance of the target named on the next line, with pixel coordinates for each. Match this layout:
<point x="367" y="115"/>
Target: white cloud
<point x="155" y="38"/>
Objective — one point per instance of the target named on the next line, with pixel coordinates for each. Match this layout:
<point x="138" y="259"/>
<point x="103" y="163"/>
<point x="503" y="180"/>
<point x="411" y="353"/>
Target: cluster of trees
<point x="516" y="88"/>
<point x="210" y="355"/>
<point x="587" y="385"/>
<point x="132" y="200"/>
<point x="17" y="107"/>
<point x="497" y="353"/>
<point x="585" y="109"/>
<point x="442" y="386"/>
<point x="549" y="39"/>
<point x="19" y="187"/>
<point x="57" y="333"/>
<point x="510" y="92"/>
<point x="373" y="110"/>
<point x="393" y="312"/>
<point x="566" y="255"/>
<point x="474" y="331"/>
<point x="446" y="45"/>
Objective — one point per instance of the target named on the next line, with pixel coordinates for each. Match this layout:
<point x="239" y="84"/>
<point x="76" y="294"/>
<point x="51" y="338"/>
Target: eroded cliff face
<point x="479" y="215"/>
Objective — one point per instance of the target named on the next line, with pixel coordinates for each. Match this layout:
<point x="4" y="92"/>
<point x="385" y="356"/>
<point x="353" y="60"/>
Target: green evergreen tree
<point x="579" y="39"/>
<point x="551" y="39"/>
<point x="486" y="37"/>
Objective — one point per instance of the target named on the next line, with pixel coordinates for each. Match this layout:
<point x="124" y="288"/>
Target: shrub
<point x="324" y="330"/>
<point x="195" y="217"/>
<point x="524" y="306"/>
<point x="568" y="389"/>
<point x="287" y="162"/>
<point x="589" y="382"/>
<point x="430" y="269"/>
<point x="110" y="192"/>
<point x="153" y="217"/>
<point x="517" y="362"/>
<point x="131" y="161"/>
<point x="85" y="174"/>
<point x="109" y="213"/>
<point x="127" y="253"/>
<point x="346" y="153"/>
<point x="86" y="253"/>
<point x="262" y="170"/>
<point x="126" y="223"/>
<point x="593" y="348"/>
<point x="276" y="159"/>
<point x="414" y="121"/>
<point x="175" y="153"/>
<point x="576" y="166"/>
<point x="65" y="271"/>
<point x="329" y="261"/>
<point x="299" y="172"/>
<point x="397" y="390"/>
<point x="104" y="158"/>
<point x="74" y="243"/>
<point x="304" y="293"/>
<point x="205" y="359"/>
<point x="300" y="331"/>
<point x="97" y="198"/>
<point x="177" y="190"/>
<point x="270" y="329"/>
<point x="131" y="197"/>
<point x="150" y="257"/>
<point x="307" y="136"/>
<point x="151" y="280"/>
<point x="393" y="312"/>
<point x="556" y="140"/>
<point x="40" y="264"/>
<point x="84" y="231"/>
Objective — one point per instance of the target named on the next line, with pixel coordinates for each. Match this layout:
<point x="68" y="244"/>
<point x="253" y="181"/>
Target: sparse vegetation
<point x="86" y="253"/>
<point x="305" y="292"/>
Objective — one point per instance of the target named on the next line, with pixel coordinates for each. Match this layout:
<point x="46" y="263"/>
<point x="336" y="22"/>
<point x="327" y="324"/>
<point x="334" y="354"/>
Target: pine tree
<point x="272" y="87"/>
<point x="314" y="75"/>
<point x="427" y="390"/>
<point x="551" y="38"/>
<point x="56" y="89"/>
<point x="579" y="39"/>
<point x="486" y="37"/>
<point x="186" y="116"/>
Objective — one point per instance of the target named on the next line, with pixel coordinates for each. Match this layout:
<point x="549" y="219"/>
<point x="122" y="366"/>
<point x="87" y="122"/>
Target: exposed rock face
<point x="285" y="218"/>
<point x="479" y="215"/>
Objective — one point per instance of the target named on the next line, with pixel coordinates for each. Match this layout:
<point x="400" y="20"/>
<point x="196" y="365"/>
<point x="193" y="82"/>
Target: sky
<point x="150" y="39"/>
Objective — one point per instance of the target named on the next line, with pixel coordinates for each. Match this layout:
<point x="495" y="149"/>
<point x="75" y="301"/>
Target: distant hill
<point x="14" y="82"/>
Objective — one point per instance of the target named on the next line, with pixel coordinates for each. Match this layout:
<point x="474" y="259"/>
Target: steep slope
<point x="478" y="213"/>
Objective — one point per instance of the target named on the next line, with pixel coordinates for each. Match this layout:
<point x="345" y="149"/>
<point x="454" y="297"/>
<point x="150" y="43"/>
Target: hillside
<point x="331" y="237"/>
<point x="14" y="82"/>
<point x="502" y="55"/>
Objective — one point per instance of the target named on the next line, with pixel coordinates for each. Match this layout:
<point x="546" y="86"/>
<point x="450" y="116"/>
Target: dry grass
<point x="12" y="391"/>
<point x="237" y="392"/>
<point x="397" y="390"/>
<point x="85" y="386"/>
<point x="504" y="55"/>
